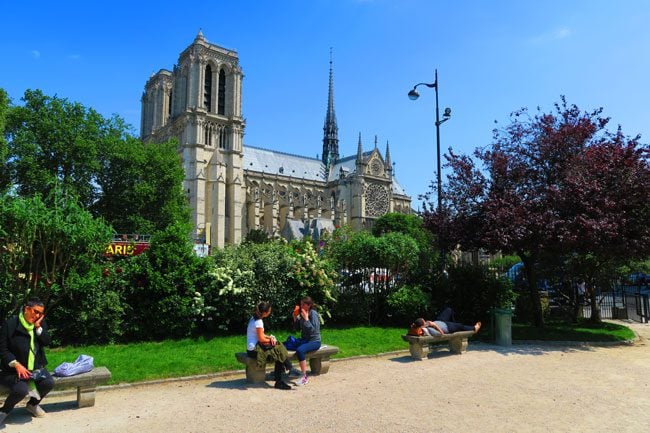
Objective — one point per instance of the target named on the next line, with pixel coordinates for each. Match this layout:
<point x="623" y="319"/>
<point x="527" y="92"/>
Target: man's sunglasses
<point x="37" y="312"/>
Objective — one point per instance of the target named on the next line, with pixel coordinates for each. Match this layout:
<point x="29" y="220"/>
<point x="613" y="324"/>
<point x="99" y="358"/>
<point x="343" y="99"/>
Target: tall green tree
<point x="4" y="150"/>
<point x="141" y="186"/>
<point x="55" y="141"/>
<point x="413" y="226"/>
<point x="50" y="140"/>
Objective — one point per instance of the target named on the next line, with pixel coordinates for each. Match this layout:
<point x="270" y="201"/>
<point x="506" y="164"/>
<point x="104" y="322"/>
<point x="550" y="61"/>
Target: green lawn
<point x="148" y="361"/>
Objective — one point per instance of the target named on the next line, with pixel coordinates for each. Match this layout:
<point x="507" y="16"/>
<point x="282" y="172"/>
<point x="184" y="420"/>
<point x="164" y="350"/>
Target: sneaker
<point x="282" y="385"/>
<point x="2" y="417"/>
<point x="303" y="381"/>
<point x="35" y="410"/>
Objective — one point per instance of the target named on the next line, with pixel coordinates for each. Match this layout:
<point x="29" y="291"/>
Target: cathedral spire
<point x="330" y="129"/>
<point x="359" y="151"/>
<point x="387" y="165"/>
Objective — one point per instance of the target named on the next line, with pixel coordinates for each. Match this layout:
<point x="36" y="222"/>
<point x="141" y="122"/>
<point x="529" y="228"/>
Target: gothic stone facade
<point x="233" y="188"/>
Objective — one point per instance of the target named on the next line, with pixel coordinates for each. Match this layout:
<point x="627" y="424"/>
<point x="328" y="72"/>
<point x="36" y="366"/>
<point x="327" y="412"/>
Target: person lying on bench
<point x="443" y="324"/>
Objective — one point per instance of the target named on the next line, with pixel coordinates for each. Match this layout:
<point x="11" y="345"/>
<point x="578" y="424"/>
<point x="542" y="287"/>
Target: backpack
<point x="415" y="331"/>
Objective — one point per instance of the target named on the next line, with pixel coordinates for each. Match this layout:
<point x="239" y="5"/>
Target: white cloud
<point x="554" y="35"/>
<point x="35" y="54"/>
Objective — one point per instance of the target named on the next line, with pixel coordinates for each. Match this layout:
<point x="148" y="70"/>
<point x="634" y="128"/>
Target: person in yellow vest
<point x="22" y="369"/>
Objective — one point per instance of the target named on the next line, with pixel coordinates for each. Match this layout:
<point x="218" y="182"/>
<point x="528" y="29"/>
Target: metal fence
<point x="621" y="305"/>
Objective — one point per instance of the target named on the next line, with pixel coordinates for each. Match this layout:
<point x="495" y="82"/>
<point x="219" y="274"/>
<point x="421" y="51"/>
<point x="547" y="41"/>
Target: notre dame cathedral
<point x="233" y="188"/>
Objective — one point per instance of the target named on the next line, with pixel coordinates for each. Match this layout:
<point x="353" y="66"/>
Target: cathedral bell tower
<point x="199" y="104"/>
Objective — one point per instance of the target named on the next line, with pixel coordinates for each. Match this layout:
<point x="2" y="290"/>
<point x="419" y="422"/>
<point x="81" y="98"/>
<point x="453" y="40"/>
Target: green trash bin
<point x="503" y="326"/>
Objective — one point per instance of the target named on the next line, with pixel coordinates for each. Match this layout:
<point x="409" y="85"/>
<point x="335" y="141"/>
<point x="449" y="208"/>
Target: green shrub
<point x="90" y="312"/>
<point x="409" y="303"/>
<point x="160" y="287"/>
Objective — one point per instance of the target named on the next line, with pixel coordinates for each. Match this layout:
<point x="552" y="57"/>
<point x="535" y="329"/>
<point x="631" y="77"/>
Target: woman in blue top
<point x="306" y="318"/>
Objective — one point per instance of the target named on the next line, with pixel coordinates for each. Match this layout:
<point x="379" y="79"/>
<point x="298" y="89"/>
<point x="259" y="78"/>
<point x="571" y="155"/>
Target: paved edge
<point x="379" y="355"/>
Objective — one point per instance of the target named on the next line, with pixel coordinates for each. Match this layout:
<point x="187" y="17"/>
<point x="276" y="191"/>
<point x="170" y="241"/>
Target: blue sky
<point x="493" y="57"/>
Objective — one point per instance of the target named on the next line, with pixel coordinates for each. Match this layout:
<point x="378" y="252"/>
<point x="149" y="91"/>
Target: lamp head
<point x="447" y="113"/>
<point x="413" y="94"/>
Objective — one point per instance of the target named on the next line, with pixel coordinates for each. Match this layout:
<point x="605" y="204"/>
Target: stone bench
<point x="419" y="346"/>
<point x="86" y="384"/>
<point x="319" y="362"/>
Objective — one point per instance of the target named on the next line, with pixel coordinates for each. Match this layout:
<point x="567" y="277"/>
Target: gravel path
<point x="528" y="387"/>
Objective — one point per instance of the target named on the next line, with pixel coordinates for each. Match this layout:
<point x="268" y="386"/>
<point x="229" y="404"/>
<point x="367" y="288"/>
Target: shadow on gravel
<point x="532" y="349"/>
<point x="240" y="384"/>
<point x="20" y="416"/>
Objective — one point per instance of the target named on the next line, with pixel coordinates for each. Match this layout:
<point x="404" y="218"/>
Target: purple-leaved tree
<point x="550" y="183"/>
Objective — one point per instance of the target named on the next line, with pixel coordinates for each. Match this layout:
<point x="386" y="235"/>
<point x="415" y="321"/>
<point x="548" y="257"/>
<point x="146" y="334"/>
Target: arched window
<point x="207" y="89"/>
<point x="221" y="104"/>
<point x="208" y="135"/>
<point x="222" y="138"/>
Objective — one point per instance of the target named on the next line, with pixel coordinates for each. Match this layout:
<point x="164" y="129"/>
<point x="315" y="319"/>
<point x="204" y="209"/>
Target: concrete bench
<point x="419" y="346"/>
<point x="86" y="384"/>
<point x="319" y="362"/>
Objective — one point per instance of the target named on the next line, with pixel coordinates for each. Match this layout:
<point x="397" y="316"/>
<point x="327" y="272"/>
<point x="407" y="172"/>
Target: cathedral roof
<point x="286" y="164"/>
<point x="303" y="167"/>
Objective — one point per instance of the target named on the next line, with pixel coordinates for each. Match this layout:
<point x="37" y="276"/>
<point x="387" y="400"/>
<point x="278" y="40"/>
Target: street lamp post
<point x="413" y="95"/>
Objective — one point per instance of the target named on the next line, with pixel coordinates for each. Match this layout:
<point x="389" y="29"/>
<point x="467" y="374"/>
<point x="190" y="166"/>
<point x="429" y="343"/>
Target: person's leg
<point x="277" y="371"/>
<point x="302" y="358"/>
<point x="17" y="391"/>
<point x="44" y="386"/>
<point x="455" y="327"/>
<point x="446" y="315"/>
<point x="277" y="374"/>
<point x="302" y="350"/>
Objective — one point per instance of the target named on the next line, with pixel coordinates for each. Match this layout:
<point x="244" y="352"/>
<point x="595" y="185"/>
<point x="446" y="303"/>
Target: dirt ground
<point x="526" y="387"/>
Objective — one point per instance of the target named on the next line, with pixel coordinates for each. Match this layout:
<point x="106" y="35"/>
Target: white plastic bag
<point x="83" y="364"/>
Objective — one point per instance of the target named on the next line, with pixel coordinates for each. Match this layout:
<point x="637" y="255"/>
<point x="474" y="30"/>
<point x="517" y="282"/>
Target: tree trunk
<point x="595" y="307"/>
<point x="535" y="300"/>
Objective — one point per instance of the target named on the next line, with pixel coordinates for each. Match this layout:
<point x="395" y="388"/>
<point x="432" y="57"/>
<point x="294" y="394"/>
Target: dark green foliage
<point x="44" y="241"/>
<point x="371" y="269"/>
<point x="472" y="291"/>
<point x="257" y="236"/>
<point x="141" y="186"/>
<point x="160" y="287"/>
<point x="4" y="150"/>
<point x="90" y="311"/>
<point x="354" y="307"/>
<point x="409" y="303"/>
<point x="523" y="311"/>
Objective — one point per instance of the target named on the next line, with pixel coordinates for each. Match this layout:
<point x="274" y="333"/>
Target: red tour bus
<point x="127" y="245"/>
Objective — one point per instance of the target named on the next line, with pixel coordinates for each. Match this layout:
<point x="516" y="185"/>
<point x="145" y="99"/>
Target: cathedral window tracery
<point x="221" y="104"/>
<point x="207" y="89"/>
<point x="377" y="198"/>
